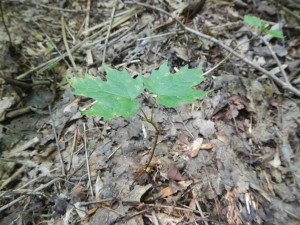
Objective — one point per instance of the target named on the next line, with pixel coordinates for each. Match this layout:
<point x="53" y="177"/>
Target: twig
<point x="97" y="202"/>
<point x="112" y="154"/>
<point x="117" y="18"/>
<point x="87" y="20"/>
<point x="3" y="20"/>
<point x="226" y="57"/>
<point x="74" y="144"/>
<point x="195" y="196"/>
<point x="277" y="60"/>
<point x="13" y="177"/>
<point x="61" y="9"/>
<point x="155" y="219"/>
<point x="57" y="142"/>
<point x="186" y="210"/>
<point x="162" y="35"/>
<point x="42" y="67"/>
<point x="214" y="40"/>
<point x="24" y="196"/>
<point x="108" y="30"/>
<point x="63" y="28"/>
<point x="52" y="43"/>
<point x="87" y="161"/>
<point x="280" y="5"/>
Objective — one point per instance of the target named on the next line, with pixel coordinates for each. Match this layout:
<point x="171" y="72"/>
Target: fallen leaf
<point x="137" y="193"/>
<point x="276" y="161"/>
<point x="165" y="219"/>
<point x="173" y="173"/>
<point x="92" y="211"/>
<point x="207" y="146"/>
<point x="196" y="147"/>
<point x="167" y="192"/>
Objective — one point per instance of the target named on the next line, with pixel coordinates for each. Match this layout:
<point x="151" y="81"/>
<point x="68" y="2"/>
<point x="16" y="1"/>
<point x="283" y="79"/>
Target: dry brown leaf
<point x="92" y="211"/>
<point x="207" y="146"/>
<point x="165" y="219"/>
<point x="137" y="193"/>
<point x="173" y="173"/>
<point x="167" y="192"/>
<point x="196" y="147"/>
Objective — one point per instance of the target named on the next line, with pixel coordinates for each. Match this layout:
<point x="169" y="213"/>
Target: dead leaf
<point x="196" y="147"/>
<point x="173" y="173"/>
<point x="167" y="192"/>
<point x="165" y="219"/>
<point x="207" y="146"/>
<point x="92" y="211"/>
<point x="137" y="193"/>
<point x="205" y="127"/>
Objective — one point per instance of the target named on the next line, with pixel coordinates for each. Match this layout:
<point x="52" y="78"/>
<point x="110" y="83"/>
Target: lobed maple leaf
<point x="172" y="89"/>
<point x="115" y="97"/>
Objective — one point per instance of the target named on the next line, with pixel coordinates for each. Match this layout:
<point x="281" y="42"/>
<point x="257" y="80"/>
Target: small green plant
<point x="263" y="26"/>
<point x="117" y="96"/>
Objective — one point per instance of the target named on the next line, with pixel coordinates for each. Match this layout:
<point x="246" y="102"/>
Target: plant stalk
<point x="142" y="171"/>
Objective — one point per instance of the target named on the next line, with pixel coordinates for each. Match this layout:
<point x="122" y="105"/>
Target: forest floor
<point x="233" y="157"/>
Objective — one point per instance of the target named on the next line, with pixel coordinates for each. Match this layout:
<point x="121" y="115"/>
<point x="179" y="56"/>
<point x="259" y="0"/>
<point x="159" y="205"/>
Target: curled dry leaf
<point x="207" y="146"/>
<point x="196" y="147"/>
<point x="174" y="174"/>
<point x="198" y="144"/>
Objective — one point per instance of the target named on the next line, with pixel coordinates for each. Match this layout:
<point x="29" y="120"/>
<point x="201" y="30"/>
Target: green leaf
<point x="264" y="25"/>
<point x="252" y="21"/>
<point x="115" y="97"/>
<point x="172" y="89"/>
<point x="54" y="65"/>
<point x="276" y="33"/>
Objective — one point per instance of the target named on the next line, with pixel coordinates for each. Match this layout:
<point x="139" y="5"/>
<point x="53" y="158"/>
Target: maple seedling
<point x="117" y="95"/>
<point x="263" y="26"/>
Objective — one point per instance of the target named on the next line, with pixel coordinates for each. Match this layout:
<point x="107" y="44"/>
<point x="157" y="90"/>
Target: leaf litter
<point x="229" y="158"/>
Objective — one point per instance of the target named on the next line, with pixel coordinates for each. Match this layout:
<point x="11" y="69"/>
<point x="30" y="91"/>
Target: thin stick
<point x="108" y="30"/>
<point x="57" y="142"/>
<point x="186" y="210"/>
<point x="112" y="154"/>
<point x="87" y="161"/>
<point x="214" y="40"/>
<point x="276" y="60"/>
<point x="42" y="67"/>
<point x="87" y="20"/>
<point x="63" y="28"/>
<point x="226" y="57"/>
<point x="24" y="196"/>
<point x="61" y="9"/>
<point x="117" y="17"/>
<point x="13" y="177"/>
<point x="52" y="43"/>
<point x="74" y="144"/>
<point x="161" y="35"/>
<point x="3" y="20"/>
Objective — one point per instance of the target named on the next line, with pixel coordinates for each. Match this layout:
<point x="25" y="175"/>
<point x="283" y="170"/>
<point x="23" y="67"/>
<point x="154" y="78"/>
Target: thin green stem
<point x="152" y="111"/>
<point x="149" y="121"/>
<point x="142" y="171"/>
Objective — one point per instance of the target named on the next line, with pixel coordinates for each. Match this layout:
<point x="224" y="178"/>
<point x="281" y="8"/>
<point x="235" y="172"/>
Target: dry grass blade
<point x="117" y="21"/>
<point x="63" y="27"/>
<point x="108" y="30"/>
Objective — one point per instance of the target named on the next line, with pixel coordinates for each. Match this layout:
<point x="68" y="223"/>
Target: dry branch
<point x="285" y="85"/>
